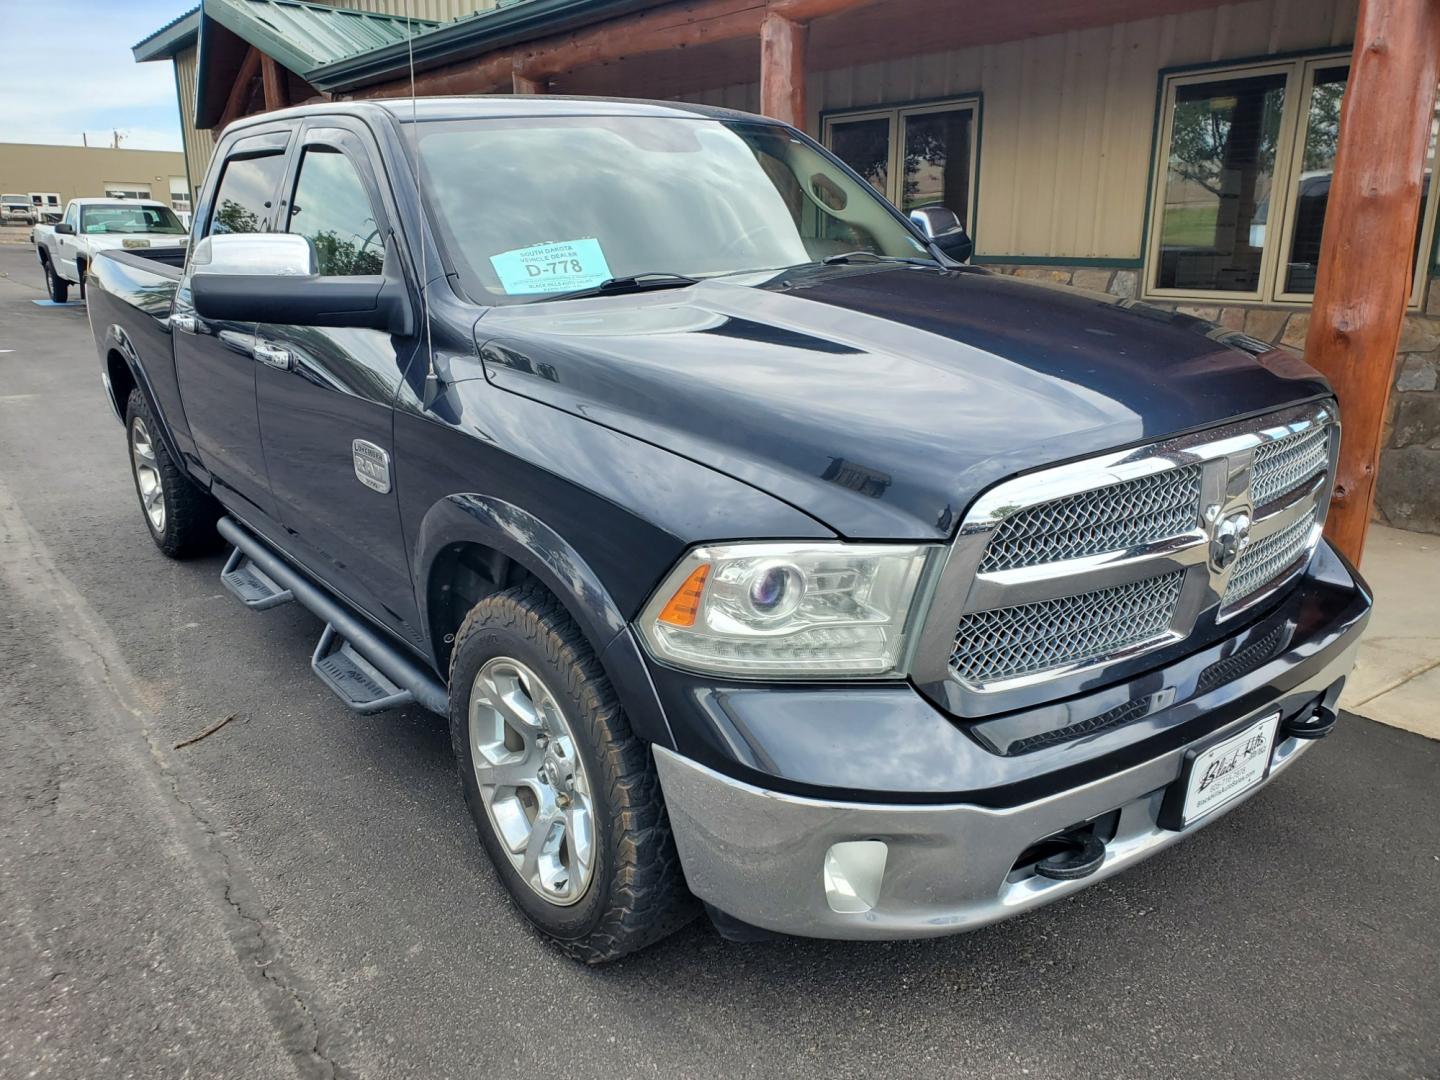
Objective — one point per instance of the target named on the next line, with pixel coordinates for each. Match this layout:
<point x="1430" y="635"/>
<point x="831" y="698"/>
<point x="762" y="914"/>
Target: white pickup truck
<point x="91" y="225"/>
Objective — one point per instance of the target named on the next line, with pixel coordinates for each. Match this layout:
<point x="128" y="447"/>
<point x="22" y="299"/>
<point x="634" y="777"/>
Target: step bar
<point x="356" y="640"/>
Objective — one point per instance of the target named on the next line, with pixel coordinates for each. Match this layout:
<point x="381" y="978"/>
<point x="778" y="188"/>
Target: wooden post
<point x="521" y="83"/>
<point x="272" y="76"/>
<point x="782" y="69"/>
<point x="1366" y="253"/>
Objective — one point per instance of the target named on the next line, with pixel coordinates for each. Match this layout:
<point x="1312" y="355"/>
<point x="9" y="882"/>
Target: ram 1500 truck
<point x="67" y="249"/>
<point x="759" y="552"/>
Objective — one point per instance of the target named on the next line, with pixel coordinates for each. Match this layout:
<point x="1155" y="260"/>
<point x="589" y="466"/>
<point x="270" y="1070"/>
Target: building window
<point x="920" y="155"/>
<point x="46" y="204"/>
<point x="127" y="191"/>
<point x="180" y="194"/>
<point x="1243" y="180"/>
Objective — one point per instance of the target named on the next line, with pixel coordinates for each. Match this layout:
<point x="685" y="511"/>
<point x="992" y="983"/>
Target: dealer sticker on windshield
<point x="1229" y="768"/>
<point x="564" y="266"/>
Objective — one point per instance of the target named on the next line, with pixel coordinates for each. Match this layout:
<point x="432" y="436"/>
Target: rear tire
<point x="55" y="285"/>
<point x="526" y="689"/>
<point x="180" y="516"/>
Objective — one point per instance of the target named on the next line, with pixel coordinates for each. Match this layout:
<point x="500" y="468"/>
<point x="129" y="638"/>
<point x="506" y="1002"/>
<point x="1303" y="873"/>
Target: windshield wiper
<point x="627" y="284"/>
<point x="856" y="256"/>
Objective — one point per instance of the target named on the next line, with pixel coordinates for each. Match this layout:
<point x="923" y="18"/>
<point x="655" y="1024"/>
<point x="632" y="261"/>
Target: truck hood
<point x="882" y="399"/>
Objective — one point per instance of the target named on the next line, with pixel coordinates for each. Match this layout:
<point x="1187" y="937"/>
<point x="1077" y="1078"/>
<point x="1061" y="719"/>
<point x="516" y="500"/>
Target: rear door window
<point x="244" y="201"/>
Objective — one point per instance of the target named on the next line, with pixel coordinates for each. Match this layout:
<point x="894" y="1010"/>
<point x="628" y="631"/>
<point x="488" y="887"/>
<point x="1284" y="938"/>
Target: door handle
<point x="273" y="356"/>
<point x="183" y="322"/>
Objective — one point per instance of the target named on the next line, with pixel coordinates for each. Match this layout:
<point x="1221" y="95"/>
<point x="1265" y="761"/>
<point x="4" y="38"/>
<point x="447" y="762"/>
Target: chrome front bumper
<point x="761" y="856"/>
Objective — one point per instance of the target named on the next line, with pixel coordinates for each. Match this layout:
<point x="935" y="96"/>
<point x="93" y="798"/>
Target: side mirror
<point x="941" y="226"/>
<point x="64" y="229"/>
<point x="274" y="278"/>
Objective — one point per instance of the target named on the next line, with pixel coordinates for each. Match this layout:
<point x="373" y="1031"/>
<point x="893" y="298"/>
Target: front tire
<point x="55" y="285"/>
<point x="563" y="794"/>
<point x="180" y="516"/>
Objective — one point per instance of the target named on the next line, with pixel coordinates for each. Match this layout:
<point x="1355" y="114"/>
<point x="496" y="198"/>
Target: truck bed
<point x="129" y="296"/>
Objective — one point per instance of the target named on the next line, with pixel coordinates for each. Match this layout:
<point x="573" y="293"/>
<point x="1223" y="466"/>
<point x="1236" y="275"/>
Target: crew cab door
<point x="215" y="359"/>
<point x="325" y="394"/>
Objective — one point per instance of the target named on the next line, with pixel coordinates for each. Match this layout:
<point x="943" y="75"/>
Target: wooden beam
<point x="1366" y="253"/>
<point x="683" y="25"/>
<point x="782" y="69"/>
<point x="272" y="75"/>
<point x="240" y="89"/>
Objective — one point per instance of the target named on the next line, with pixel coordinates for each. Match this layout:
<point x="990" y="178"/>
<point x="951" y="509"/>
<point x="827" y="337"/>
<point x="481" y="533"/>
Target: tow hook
<point x="1316" y="725"/>
<point x="1083" y="855"/>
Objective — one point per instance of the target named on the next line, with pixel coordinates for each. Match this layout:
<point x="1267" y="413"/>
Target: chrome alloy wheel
<point x="147" y="474"/>
<point x="532" y="781"/>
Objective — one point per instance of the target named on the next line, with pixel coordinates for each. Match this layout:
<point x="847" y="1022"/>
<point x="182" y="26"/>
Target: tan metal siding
<point x="75" y="172"/>
<point x="1067" y="120"/>
<point x="199" y="144"/>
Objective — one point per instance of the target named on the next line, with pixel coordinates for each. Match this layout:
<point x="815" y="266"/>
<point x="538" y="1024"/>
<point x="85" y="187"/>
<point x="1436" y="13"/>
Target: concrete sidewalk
<point x="1397" y="678"/>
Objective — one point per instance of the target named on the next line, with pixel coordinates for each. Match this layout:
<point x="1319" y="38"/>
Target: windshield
<point x="539" y="206"/>
<point x="129" y="219"/>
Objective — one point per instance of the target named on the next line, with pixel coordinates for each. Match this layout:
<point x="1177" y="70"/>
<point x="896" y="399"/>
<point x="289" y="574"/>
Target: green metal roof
<point x="302" y="37"/>
<point x="175" y="36"/>
<point x="509" y="23"/>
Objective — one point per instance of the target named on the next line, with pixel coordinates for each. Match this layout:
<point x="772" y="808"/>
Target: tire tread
<point x="648" y="896"/>
<point x="190" y="513"/>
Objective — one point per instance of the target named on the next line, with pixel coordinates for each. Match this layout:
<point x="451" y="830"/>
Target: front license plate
<point x="135" y="243"/>
<point x="1220" y="773"/>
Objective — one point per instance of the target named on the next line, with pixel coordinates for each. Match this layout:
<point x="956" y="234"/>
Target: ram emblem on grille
<point x="1229" y="537"/>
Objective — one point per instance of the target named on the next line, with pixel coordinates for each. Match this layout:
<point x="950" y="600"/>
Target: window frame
<point x="1299" y="72"/>
<point x="896" y="115"/>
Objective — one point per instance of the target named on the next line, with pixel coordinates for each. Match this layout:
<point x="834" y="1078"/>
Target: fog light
<point x="853" y="872"/>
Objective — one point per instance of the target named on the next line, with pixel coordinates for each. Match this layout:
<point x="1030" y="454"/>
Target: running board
<point x="362" y="686"/>
<point x="251" y="585"/>
<point x="351" y="653"/>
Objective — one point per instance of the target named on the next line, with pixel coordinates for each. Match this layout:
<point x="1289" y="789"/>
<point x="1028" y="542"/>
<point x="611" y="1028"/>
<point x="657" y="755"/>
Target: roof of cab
<point x="491" y="106"/>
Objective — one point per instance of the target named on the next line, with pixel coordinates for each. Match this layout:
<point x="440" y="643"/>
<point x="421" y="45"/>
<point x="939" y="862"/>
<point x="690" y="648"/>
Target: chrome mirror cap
<point x="255" y="255"/>
<point x="935" y="221"/>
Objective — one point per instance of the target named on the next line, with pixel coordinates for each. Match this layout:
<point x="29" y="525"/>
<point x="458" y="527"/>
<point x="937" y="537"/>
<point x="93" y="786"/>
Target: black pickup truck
<point x="763" y="555"/>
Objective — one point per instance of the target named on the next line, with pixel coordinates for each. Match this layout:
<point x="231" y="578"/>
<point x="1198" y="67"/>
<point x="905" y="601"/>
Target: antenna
<point x="432" y="380"/>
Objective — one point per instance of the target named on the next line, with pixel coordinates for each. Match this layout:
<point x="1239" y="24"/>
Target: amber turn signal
<point x="682" y="608"/>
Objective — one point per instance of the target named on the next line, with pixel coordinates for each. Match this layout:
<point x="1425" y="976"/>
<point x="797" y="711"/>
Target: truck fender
<point x="118" y="341"/>
<point x="472" y="518"/>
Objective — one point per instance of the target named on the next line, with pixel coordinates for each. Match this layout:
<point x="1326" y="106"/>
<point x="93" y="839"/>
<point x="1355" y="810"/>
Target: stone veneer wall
<point x="1408" y="492"/>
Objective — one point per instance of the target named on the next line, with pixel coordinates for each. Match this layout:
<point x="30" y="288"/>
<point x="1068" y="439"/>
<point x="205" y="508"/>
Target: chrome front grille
<point x="1267" y="561"/>
<point x="1004" y="643"/>
<point x="1060" y="572"/>
<point x="1114" y="518"/>
<point x="1285" y="464"/>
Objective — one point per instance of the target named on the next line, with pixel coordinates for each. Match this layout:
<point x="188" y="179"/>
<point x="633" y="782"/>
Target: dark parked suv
<point x="758" y="550"/>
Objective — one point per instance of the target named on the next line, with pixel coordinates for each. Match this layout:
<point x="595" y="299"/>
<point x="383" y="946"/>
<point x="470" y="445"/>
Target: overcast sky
<point x="66" y="68"/>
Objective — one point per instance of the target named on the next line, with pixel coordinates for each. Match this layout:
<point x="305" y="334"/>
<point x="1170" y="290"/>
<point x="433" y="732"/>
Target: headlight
<point x="787" y="610"/>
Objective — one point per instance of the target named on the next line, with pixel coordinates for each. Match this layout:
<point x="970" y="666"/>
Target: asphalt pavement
<point x="301" y="893"/>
